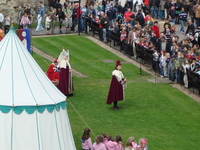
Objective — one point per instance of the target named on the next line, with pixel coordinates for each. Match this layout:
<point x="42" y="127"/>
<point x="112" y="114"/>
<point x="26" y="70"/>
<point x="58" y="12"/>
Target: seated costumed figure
<point x="53" y="72"/>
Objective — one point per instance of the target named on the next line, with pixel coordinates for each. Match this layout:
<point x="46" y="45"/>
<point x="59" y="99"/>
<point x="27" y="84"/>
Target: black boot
<point x="115" y="106"/>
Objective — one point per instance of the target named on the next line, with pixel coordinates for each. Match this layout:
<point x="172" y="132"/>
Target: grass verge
<point x="166" y="117"/>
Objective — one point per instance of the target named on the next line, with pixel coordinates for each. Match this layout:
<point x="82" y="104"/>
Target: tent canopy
<point x="23" y="83"/>
<point x="33" y="112"/>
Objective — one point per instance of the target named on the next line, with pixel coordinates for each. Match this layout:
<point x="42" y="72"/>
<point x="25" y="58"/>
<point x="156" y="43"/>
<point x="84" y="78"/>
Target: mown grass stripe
<point x="162" y="114"/>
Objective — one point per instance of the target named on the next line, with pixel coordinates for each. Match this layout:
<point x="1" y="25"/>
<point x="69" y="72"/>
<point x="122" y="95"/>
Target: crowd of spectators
<point x="135" y="23"/>
<point x="172" y="57"/>
<point x="106" y="142"/>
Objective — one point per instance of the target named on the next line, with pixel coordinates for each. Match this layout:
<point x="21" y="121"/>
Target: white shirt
<point x="1" y="17"/>
<point x="118" y="74"/>
<point x="140" y="2"/>
<point x="47" y="22"/>
<point x="134" y="36"/>
<point x="7" y="21"/>
<point x="163" y="46"/>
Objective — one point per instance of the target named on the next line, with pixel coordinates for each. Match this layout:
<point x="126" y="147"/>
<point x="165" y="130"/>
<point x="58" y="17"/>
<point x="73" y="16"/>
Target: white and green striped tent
<point x="33" y="112"/>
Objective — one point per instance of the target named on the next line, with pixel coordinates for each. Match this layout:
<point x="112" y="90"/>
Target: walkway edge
<point x="50" y="58"/>
<point x="119" y="54"/>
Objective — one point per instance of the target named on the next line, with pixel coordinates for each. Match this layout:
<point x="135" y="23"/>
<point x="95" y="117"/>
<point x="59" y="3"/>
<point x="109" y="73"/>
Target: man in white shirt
<point x="1" y="20"/>
<point x="137" y="5"/>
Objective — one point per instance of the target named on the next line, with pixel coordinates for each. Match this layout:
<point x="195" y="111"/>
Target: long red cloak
<point x="65" y="82"/>
<point x="116" y="92"/>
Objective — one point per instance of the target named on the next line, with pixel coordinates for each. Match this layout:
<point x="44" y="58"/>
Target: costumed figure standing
<point x="53" y="72"/>
<point x="117" y="86"/>
<point x="65" y="82"/>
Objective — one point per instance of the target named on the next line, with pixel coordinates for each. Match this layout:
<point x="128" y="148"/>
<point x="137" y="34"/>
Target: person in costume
<point x="65" y="82"/>
<point x="53" y="72"/>
<point x="117" y="85"/>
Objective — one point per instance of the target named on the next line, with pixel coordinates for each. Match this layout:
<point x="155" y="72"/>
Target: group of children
<point x="106" y="142"/>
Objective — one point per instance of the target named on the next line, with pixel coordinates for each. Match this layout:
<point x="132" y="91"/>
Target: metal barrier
<point x="143" y="55"/>
<point x="193" y="80"/>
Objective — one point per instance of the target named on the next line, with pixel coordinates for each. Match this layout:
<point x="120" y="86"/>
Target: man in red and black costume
<point x="117" y="85"/>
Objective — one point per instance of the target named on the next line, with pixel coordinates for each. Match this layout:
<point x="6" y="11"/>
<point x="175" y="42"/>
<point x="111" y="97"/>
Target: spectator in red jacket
<point x="156" y="29"/>
<point x="77" y="19"/>
<point x="146" y="2"/>
<point x="127" y="15"/>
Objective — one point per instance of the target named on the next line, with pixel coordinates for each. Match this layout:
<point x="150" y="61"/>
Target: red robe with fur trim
<point x="52" y="74"/>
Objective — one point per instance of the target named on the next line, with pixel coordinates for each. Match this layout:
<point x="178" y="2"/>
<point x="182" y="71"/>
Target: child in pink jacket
<point x="86" y="140"/>
<point x="111" y="144"/>
<point x="120" y="145"/>
<point x="105" y="136"/>
<point x="98" y="145"/>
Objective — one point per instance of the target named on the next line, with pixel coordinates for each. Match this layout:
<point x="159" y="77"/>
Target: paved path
<point x="146" y="69"/>
<point x="121" y="55"/>
<point x="64" y="31"/>
<point x="50" y="58"/>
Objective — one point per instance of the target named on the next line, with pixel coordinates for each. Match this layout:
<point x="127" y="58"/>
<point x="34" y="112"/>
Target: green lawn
<point x="165" y="116"/>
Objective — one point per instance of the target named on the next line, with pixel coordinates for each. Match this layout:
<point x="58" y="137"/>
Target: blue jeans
<point x="161" y="14"/>
<point x="104" y="35"/>
<point x="111" y="23"/>
<point x="82" y="24"/>
<point x="177" y="75"/>
<point x="154" y="11"/>
<point x="83" y="21"/>
<point x="182" y="25"/>
<point x="171" y="76"/>
<point x="39" y="25"/>
<point x="174" y="21"/>
<point x="131" y="22"/>
<point x="161" y="71"/>
<point x="76" y="22"/>
<point x="198" y="22"/>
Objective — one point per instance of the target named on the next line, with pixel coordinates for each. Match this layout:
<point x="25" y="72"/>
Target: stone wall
<point x="10" y="7"/>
